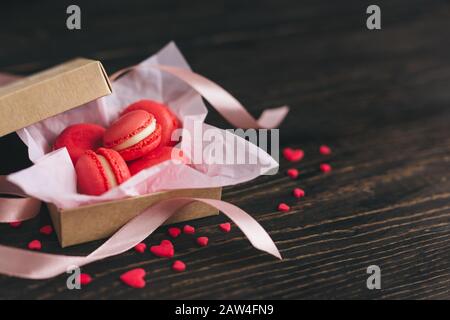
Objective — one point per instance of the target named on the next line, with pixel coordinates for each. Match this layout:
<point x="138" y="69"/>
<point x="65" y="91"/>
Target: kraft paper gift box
<point x="62" y="88"/>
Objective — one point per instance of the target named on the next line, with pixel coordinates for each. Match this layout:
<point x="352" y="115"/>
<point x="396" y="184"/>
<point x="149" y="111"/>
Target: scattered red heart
<point x="47" y="230"/>
<point x="293" y="155"/>
<point x="202" y="241"/>
<point x="325" y="167"/>
<point x="16" y="224"/>
<point x="164" y="250"/>
<point x="134" y="278"/>
<point x="179" y="266"/>
<point x="35" y="245"/>
<point x="325" y="150"/>
<point x="225" y="227"/>
<point x="140" y="247"/>
<point x="85" y="279"/>
<point x="283" y="207"/>
<point x="174" y="232"/>
<point x="293" y="173"/>
<point x="298" y="193"/>
<point x="188" y="229"/>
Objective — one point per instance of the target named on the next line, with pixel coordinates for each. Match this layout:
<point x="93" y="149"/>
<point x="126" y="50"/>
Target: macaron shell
<point x="163" y="115"/>
<point x="143" y="147"/>
<point x="79" y="138"/>
<point x="91" y="178"/>
<point x="158" y="156"/>
<point x="126" y="126"/>
<point x="117" y="164"/>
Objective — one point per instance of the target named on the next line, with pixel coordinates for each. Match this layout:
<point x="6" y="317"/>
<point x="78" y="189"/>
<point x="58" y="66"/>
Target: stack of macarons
<point x="106" y="157"/>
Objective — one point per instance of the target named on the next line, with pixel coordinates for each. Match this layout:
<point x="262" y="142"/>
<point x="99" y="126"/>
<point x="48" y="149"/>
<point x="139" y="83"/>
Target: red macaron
<point x="133" y="135"/>
<point x="99" y="171"/>
<point x="79" y="138"/>
<point x="157" y="156"/>
<point x="164" y="116"/>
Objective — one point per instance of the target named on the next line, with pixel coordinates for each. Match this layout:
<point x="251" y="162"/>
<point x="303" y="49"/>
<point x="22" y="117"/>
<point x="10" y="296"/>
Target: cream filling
<point x="137" y="137"/>
<point x="112" y="181"/>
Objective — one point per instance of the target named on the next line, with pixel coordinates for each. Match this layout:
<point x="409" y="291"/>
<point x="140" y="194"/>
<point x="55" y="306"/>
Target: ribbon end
<point x="278" y="255"/>
<point x="274" y="252"/>
<point x="272" y="118"/>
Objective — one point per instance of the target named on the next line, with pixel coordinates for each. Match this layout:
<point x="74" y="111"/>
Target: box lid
<point x="50" y="92"/>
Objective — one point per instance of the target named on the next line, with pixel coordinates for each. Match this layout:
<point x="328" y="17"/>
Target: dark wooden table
<point x="380" y="99"/>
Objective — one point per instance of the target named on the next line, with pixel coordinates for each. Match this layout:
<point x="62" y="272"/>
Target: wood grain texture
<point x="379" y="99"/>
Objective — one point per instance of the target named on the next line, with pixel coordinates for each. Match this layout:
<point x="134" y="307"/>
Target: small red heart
<point x="47" y="230"/>
<point x="35" y="245"/>
<point x="293" y="173"/>
<point x="225" y="227"/>
<point x="134" y="278"/>
<point x="178" y="266"/>
<point x="283" y="207"/>
<point x="325" y="167"/>
<point x="85" y="279"/>
<point x="298" y="193"/>
<point x="187" y="229"/>
<point x="325" y="150"/>
<point x="174" y="232"/>
<point x="164" y="250"/>
<point x="140" y="247"/>
<point x="293" y="155"/>
<point x="16" y="224"/>
<point x="202" y="241"/>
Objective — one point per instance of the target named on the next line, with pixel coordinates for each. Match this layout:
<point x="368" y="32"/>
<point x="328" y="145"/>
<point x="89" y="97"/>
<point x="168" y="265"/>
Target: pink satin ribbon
<point x="16" y="209"/>
<point x="35" y="265"/>
<point x="227" y="105"/>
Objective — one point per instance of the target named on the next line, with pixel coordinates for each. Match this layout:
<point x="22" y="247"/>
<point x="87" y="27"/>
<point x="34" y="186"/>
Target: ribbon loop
<point x="227" y="105"/>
